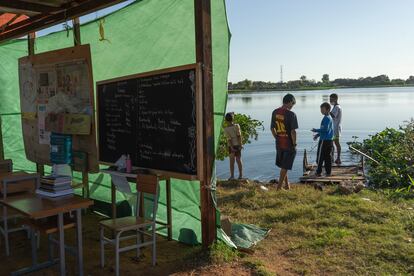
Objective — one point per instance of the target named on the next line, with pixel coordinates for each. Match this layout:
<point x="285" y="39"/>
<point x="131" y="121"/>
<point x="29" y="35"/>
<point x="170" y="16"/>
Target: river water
<point x="365" y="111"/>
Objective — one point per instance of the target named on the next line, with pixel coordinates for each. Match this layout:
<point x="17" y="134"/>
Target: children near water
<point x="283" y="126"/>
<point x="336" y="115"/>
<point x="234" y="142"/>
<point x="326" y="136"/>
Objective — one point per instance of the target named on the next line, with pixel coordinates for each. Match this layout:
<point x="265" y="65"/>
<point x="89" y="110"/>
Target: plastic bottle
<point x="128" y="164"/>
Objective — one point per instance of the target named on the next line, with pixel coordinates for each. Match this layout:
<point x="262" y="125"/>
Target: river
<point x="365" y="111"/>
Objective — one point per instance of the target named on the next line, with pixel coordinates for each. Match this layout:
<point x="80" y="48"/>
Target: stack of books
<point x="55" y="186"/>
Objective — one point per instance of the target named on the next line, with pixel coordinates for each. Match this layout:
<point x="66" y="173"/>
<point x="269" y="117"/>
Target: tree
<point x="410" y="80"/>
<point x="325" y="78"/>
<point x="247" y="84"/>
<point x="249" y="128"/>
<point x="303" y="78"/>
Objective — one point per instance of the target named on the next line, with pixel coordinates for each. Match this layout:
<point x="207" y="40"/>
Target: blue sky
<point x="344" y="38"/>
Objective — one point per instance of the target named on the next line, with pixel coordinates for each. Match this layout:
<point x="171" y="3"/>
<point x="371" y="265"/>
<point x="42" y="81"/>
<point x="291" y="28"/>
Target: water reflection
<point x="246" y="100"/>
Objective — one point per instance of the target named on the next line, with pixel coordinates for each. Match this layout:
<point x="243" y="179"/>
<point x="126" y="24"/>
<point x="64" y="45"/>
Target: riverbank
<point x="241" y="91"/>
<point x="323" y="232"/>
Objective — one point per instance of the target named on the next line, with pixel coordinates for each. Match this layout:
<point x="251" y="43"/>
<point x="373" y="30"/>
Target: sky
<point x="342" y="38"/>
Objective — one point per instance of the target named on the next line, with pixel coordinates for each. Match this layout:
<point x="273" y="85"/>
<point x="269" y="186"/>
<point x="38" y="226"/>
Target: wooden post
<point x="76" y="32"/>
<point x="31" y="43"/>
<point x="169" y="217"/>
<point x="113" y="200"/>
<point x="204" y="57"/>
<point x="1" y="141"/>
<point x="40" y="168"/>
<point x="77" y="42"/>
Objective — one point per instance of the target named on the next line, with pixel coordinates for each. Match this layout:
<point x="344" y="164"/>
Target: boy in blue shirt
<point x="326" y="135"/>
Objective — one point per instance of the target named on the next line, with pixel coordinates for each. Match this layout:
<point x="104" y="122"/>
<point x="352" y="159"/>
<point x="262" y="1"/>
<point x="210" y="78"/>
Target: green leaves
<point x="250" y="129"/>
<point x="393" y="148"/>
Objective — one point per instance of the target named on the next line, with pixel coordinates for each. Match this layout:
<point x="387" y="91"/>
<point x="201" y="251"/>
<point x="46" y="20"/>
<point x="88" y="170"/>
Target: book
<point x="47" y="183"/>
<point x="55" y="194"/>
<point x="55" y="189"/>
<point x="56" y="178"/>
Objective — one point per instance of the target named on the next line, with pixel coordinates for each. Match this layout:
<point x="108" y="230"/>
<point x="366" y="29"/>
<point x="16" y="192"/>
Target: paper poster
<point x="78" y="124"/>
<point x="27" y="89"/>
<point x="44" y="136"/>
<point x="45" y="84"/>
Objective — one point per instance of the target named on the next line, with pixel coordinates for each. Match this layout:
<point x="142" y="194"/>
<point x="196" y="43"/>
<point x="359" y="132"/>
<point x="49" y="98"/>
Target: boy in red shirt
<point x="283" y="126"/>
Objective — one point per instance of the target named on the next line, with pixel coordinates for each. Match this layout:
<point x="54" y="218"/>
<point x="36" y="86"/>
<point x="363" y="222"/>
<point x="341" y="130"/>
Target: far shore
<point x="241" y="91"/>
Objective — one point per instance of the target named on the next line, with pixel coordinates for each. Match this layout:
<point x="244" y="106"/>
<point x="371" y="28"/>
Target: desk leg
<point x="61" y="245"/>
<point x="6" y="230"/>
<point x="169" y="220"/>
<point x="79" y="240"/>
<point x="33" y="239"/>
<point x="113" y="199"/>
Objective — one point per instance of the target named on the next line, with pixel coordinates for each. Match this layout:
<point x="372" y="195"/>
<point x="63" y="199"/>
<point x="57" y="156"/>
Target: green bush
<point x="393" y="149"/>
<point x="249" y="129"/>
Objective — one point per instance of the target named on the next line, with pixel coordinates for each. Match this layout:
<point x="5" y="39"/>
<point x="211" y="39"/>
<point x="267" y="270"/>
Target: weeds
<point x="221" y="253"/>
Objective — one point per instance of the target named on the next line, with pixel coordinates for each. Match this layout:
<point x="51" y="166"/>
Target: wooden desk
<point x="24" y="179"/>
<point x="35" y="207"/>
<point x="132" y="177"/>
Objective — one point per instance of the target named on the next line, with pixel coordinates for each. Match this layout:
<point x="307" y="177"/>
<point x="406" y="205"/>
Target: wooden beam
<point x="4" y="26"/>
<point x="76" y="32"/>
<point x="44" y="21"/>
<point x="204" y="57"/>
<point x="23" y="6"/>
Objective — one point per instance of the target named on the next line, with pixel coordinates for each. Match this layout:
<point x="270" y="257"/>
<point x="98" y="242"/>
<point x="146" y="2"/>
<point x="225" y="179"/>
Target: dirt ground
<point x="173" y="258"/>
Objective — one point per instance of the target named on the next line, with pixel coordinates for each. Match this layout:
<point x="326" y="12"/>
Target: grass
<point x="327" y="233"/>
<point x="220" y="253"/>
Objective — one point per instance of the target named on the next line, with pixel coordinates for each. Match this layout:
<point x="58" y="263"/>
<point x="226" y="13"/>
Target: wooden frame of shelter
<point x="45" y="13"/>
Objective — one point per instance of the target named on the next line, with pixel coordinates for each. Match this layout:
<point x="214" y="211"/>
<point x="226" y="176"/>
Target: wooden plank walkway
<point x="354" y="172"/>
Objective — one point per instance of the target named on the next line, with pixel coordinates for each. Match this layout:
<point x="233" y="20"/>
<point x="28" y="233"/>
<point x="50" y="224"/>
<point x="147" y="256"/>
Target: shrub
<point x="249" y="129"/>
<point x="393" y="149"/>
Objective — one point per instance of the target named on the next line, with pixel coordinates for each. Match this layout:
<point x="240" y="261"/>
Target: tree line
<point x="304" y="83"/>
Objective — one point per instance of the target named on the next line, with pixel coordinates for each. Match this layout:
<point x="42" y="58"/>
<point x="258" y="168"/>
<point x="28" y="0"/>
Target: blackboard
<point x="153" y="117"/>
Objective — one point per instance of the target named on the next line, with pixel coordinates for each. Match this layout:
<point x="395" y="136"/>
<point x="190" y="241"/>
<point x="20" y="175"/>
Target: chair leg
<point x="117" y="253"/>
<point x="154" y="247"/>
<point x="138" y="243"/>
<point x="27" y="229"/>
<point x="38" y="239"/>
<point x="102" y="247"/>
<point x="6" y="231"/>
<point x="50" y="247"/>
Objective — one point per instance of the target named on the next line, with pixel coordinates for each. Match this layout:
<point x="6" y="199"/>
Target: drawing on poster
<point x="27" y="88"/>
<point x="51" y="90"/>
<point x="44" y="136"/>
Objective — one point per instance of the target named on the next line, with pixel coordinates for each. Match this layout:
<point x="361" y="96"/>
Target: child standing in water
<point x="234" y="142"/>
<point x="326" y="135"/>
<point x="336" y="115"/>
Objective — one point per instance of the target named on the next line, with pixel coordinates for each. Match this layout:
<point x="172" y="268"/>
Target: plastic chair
<point x="146" y="184"/>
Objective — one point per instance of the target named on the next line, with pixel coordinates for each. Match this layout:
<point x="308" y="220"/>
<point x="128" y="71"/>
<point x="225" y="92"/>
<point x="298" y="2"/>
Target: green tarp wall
<point x="144" y="36"/>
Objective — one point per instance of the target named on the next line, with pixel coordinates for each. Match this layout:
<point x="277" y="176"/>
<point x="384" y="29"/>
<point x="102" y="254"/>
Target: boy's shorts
<point x="236" y="150"/>
<point x="285" y="159"/>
